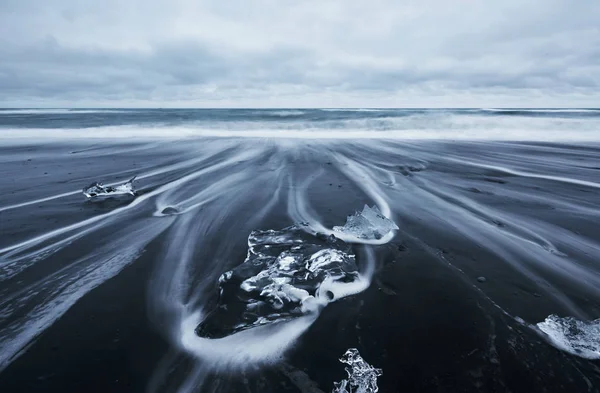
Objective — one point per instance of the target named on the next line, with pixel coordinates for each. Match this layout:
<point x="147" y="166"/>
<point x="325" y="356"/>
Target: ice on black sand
<point x="290" y="273"/>
<point x="576" y="337"/>
<point x="362" y="377"/>
<point x="98" y="191"/>
<point x="286" y="274"/>
<point x="368" y="224"/>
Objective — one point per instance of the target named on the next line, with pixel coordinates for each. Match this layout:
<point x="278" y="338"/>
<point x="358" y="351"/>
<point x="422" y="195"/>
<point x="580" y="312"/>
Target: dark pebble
<point x="494" y="180"/>
<point x="170" y="210"/>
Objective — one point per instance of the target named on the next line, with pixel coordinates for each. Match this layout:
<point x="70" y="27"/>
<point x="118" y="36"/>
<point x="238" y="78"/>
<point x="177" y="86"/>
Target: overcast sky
<point x="300" y="53"/>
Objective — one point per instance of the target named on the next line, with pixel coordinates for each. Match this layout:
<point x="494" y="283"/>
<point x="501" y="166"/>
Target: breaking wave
<point x="534" y="110"/>
<point x="126" y="133"/>
<point x="476" y="124"/>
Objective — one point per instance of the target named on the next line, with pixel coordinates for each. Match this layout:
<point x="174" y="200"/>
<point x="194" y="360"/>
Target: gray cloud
<point x="299" y="53"/>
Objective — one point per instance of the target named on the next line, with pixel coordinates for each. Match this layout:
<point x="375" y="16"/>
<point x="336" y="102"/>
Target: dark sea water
<point x="466" y="124"/>
<point x="490" y="284"/>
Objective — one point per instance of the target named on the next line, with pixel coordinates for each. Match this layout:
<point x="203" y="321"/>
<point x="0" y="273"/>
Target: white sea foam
<point x="285" y="113"/>
<point x="59" y="291"/>
<point x="158" y="171"/>
<point x="286" y="274"/>
<point x="534" y="110"/>
<point x="262" y="344"/>
<point x="414" y="127"/>
<point x="356" y="110"/>
<point x="515" y="172"/>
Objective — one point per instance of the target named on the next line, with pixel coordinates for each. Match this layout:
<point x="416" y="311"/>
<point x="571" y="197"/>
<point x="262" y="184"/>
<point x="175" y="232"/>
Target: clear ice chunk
<point x="281" y="278"/>
<point x="99" y="191"/>
<point x="362" y="377"/>
<point x="576" y="337"/>
<point x="368" y="224"/>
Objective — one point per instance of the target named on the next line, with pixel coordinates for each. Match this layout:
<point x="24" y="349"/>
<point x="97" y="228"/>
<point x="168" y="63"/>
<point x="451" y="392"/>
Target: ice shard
<point x="362" y="377"/>
<point x="286" y="274"/>
<point x="576" y="337"/>
<point x="368" y="224"/>
<point x="97" y="191"/>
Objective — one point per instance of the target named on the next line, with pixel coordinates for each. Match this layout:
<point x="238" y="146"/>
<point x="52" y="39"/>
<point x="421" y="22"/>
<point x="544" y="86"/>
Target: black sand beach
<point x="494" y="238"/>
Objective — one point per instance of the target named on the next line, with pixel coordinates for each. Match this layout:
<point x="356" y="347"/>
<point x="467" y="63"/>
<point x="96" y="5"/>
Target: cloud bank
<point x="293" y="53"/>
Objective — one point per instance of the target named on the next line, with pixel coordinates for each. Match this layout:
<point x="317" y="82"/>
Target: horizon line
<point x="283" y="108"/>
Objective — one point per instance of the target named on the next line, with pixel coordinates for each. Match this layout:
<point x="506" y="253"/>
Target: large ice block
<point x="573" y="336"/>
<point x="368" y="224"/>
<point x="286" y="274"/>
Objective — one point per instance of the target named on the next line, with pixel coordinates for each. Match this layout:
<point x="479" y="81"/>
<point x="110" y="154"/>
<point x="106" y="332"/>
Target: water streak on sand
<point x="197" y="212"/>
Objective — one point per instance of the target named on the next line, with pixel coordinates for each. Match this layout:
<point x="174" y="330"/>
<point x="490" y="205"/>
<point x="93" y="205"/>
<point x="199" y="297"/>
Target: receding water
<point x="496" y="212"/>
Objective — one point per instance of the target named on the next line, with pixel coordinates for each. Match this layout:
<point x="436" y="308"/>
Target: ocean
<point x="247" y="250"/>
<point x="415" y="124"/>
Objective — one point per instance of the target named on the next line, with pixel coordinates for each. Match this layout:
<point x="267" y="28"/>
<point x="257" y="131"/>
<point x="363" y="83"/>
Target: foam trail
<point x="528" y="174"/>
<point x="12" y="264"/>
<point x="263" y="344"/>
<point x="173" y="288"/>
<point x="42" y="200"/>
<point x="133" y="204"/>
<point x="364" y="180"/>
<point x="152" y="173"/>
<point x="300" y="211"/>
<point x="537" y="246"/>
<point x="510" y="247"/>
<point x="178" y="299"/>
<point x="62" y="289"/>
<point x="185" y="297"/>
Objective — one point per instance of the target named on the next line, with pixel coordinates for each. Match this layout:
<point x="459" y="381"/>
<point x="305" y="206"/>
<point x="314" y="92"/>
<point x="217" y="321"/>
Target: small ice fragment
<point x="99" y="191"/>
<point x="362" y="377"/>
<point x="368" y="224"/>
<point x="576" y="337"/>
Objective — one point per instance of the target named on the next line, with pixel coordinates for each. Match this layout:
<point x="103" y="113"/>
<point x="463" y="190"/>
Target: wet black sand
<point x="524" y="216"/>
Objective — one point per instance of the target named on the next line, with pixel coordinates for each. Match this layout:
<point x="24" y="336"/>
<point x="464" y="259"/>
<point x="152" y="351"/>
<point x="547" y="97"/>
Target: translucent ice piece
<point x="368" y="224"/>
<point x="573" y="336"/>
<point x="100" y="191"/>
<point x="286" y="274"/>
<point x="362" y="377"/>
